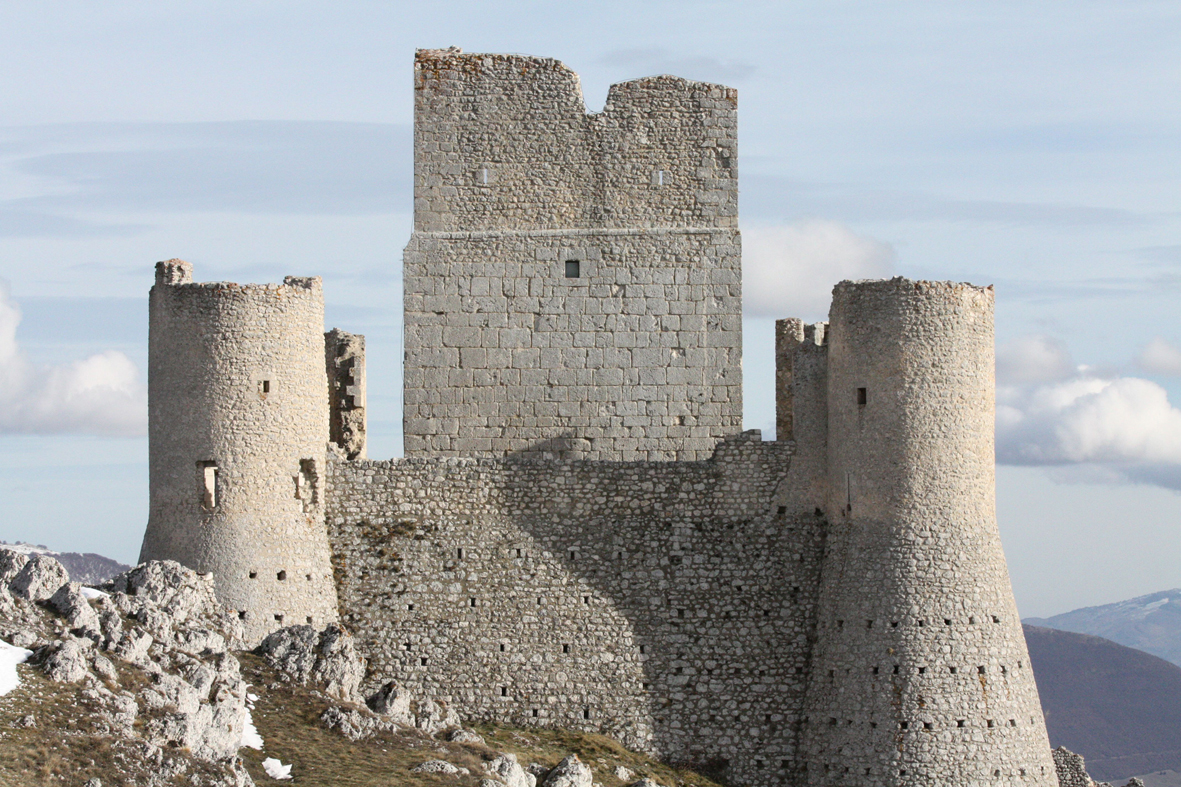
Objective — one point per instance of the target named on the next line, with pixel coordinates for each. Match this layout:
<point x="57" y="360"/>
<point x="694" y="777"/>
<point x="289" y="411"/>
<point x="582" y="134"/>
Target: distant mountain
<point x="1149" y="623"/>
<point x="85" y="567"/>
<point x="1118" y="707"/>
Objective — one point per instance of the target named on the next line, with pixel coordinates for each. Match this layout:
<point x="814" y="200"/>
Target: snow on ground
<point x="29" y="549"/>
<point x="10" y="656"/>
<point x="276" y="769"/>
<point x="250" y="735"/>
<point x="92" y="593"/>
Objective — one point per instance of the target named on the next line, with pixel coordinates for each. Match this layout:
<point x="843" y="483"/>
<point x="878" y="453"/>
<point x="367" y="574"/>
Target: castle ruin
<point x="580" y="535"/>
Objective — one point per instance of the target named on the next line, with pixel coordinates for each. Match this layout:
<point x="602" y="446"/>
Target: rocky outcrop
<point x="327" y="659"/>
<point x="570" y="772"/>
<point x="506" y="768"/>
<point x="159" y="620"/>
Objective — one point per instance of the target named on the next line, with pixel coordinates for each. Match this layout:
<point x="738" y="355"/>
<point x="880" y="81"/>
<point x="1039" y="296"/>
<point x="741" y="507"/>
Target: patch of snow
<point x="251" y="738"/>
<point x="251" y="697"/>
<point x="93" y="593"/>
<point x="29" y="549"/>
<point x="10" y="656"/>
<point x="276" y="769"/>
<point x="1149" y="608"/>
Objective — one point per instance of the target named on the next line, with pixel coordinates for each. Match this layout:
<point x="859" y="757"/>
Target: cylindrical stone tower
<point x="238" y="429"/>
<point x="920" y="674"/>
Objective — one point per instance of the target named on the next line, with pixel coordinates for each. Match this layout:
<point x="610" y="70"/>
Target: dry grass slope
<point x="288" y="718"/>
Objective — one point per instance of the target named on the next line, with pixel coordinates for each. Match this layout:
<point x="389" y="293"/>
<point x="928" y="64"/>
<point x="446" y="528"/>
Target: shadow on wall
<point x="669" y="605"/>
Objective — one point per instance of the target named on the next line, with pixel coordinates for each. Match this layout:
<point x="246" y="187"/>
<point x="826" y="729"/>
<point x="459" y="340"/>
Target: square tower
<point x="573" y="285"/>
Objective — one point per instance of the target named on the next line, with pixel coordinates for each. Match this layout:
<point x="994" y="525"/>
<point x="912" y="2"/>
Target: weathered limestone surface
<point x="638" y="354"/>
<point x="238" y="429"/>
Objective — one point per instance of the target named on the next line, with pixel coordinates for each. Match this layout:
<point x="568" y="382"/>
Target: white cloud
<point x="1118" y="428"/>
<point x="101" y="394"/>
<point x="1033" y="359"/>
<point x="1160" y="357"/>
<point x="789" y="270"/>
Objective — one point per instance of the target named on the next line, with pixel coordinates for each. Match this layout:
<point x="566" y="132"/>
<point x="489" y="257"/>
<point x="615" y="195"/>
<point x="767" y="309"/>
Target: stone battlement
<point x="581" y="535"/>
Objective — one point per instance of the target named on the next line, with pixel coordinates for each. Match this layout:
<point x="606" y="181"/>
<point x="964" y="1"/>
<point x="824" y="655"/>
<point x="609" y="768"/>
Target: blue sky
<point x="1033" y="146"/>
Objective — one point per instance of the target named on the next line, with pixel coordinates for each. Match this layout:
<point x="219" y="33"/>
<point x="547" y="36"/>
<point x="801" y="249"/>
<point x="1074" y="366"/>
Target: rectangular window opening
<point x="209" y="478"/>
<point x="264" y="388"/>
<point x="861" y="397"/>
<point x="573" y="269"/>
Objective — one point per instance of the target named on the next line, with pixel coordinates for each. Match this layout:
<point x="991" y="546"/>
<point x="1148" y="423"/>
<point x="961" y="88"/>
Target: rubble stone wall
<point x="238" y="424"/>
<point x="667" y="604"/>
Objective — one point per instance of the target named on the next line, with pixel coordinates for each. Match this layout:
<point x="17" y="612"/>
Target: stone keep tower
<point x="238" y="430"/>
<point x="919" y="674"/>
<point x="573" y="283"/>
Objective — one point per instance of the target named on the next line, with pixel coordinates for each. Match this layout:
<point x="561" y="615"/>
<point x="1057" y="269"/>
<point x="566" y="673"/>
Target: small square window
<point x="573" y="269"/>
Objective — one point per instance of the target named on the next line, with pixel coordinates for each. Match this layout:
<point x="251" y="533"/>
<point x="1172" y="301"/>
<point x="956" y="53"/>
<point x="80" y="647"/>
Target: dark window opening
<point x="409" y="607"/>
<point x="264" y="388"/>
<point x="242" y="615"/>
<point x="927" y="725"/>
<point x="282" y="575"/>
<point x="565" y="648"/>
<point x="422" y="661"/>
<point x="471" y="602"/>
<point x="953" y="670"/>
<point x="904" y="725"/>
<point x="980" y="670"/>
<point x="959" y="722"/>
<point x="309" y="577"/>
<point x="279" y="618"/>
<point x="895" y="669"/>
<point x="502" y="647"/>
<point x="535" y="713"/>
<point x="586" y="713"/>
<point x="573" y="269"/>
<point x="459" y="553"/>
<point x="991" y="724"/>
<point x="309" y="619"/>
<point x="254" y="575"/>
<point x="861" y="397"/>
<point x="782" y="509"/>
<point x="504" y="691"/>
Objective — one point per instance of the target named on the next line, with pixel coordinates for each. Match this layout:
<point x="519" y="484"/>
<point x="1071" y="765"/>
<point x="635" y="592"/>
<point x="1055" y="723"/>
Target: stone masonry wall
<point x="640" y="357"/>
<point x="573" y="284"/>
<point x="667" y="604"/>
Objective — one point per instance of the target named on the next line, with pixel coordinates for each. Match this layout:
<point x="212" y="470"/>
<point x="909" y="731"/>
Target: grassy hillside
<point x="1118" y="707"/>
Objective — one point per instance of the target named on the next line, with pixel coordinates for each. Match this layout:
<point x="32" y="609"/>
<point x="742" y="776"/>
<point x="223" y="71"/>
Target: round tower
<point x="920" y="674"/>
<point x="238" y="430"/>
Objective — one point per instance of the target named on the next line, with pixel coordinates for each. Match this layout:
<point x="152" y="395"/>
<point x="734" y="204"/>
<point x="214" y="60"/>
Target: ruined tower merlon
<point x="504" y="143"/>
<point x="174" y="271"/>
<point x="344" y="360"/>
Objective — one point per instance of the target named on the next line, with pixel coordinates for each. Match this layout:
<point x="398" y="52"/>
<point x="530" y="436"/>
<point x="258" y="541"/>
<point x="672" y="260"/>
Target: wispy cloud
<point x="1052" y="412"/>
<point x="789" y="270"/>
<point x="772" y="196"/>
<point x="275" y="167"/>
<point x="101" y="394"/>
<point x="1160" y="357"/>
